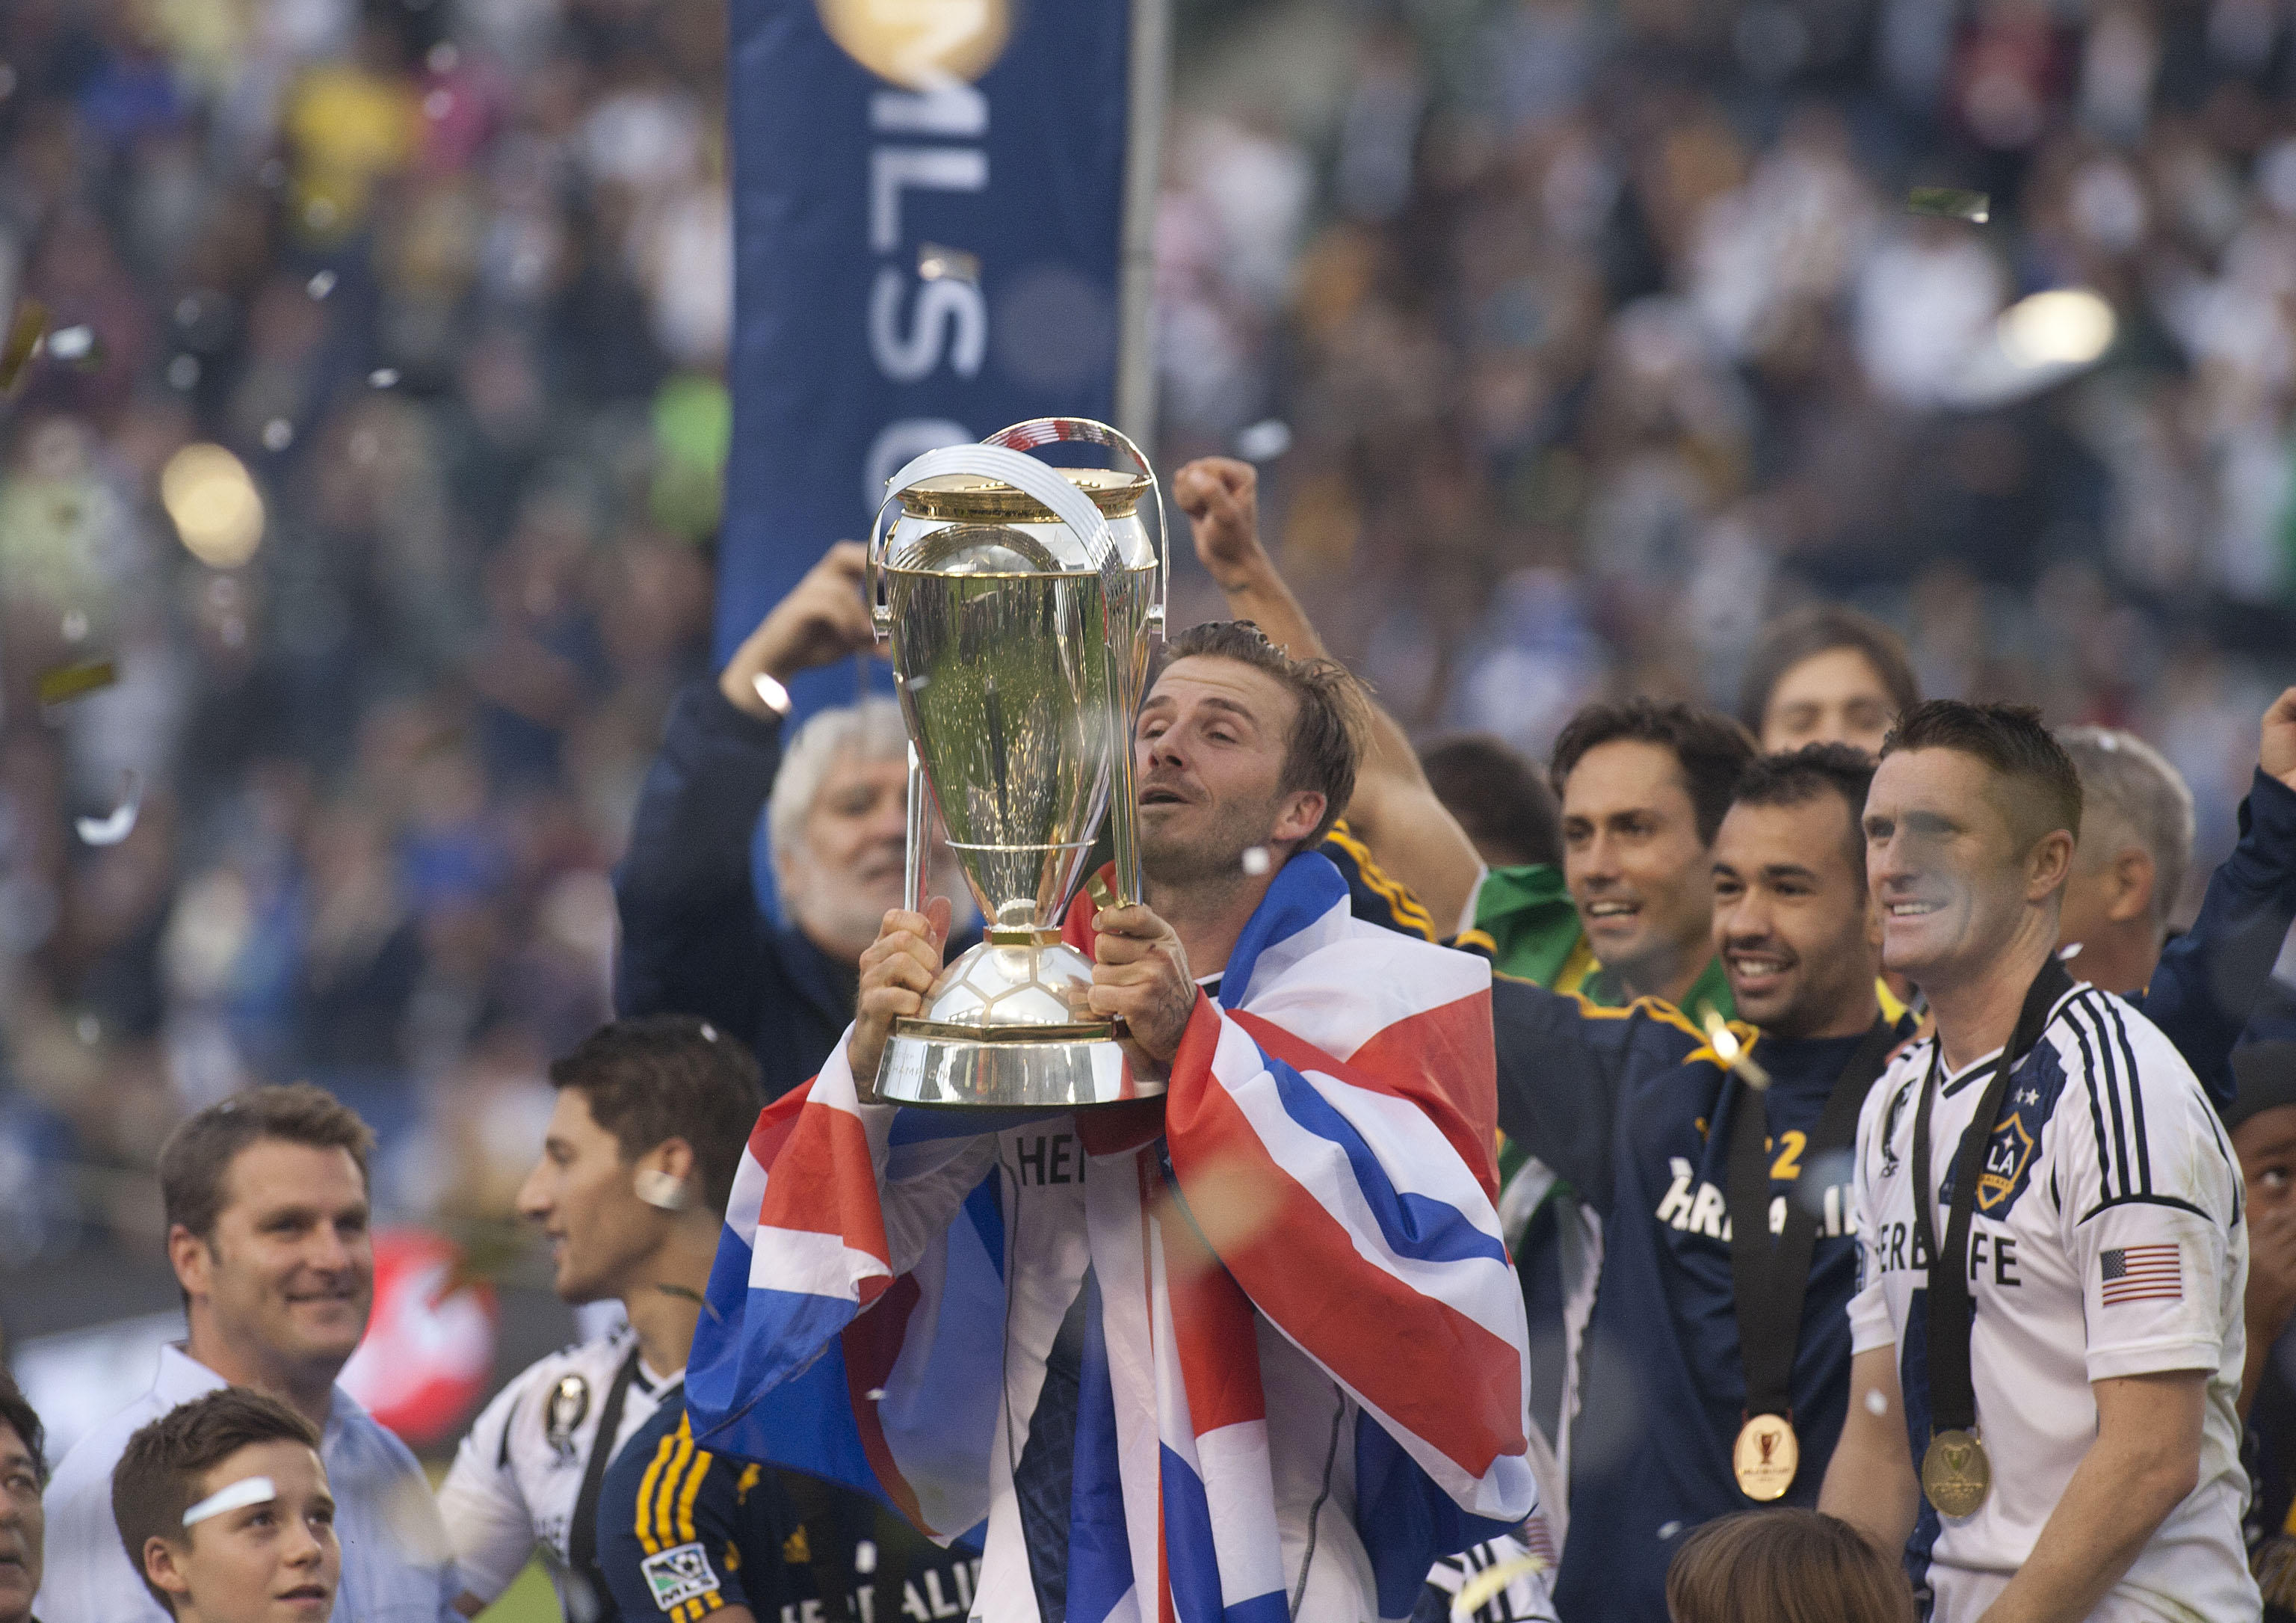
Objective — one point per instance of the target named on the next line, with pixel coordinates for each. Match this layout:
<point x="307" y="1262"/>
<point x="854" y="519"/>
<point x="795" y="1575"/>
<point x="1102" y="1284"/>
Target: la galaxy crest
<point x="2008" y="1157"/>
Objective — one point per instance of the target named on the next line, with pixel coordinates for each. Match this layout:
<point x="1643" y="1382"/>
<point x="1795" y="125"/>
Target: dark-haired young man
<point x="223" y="1507"/>
<point x="634" y="1172"/>
<point x="23" y="1471"/>
<point x="1672" y="1150"/>
<point x="1278" y="1403"/>
<point x="265" y="1198"/>
<point x="1644" y="786"/>
<point x="2047" y="1336"/>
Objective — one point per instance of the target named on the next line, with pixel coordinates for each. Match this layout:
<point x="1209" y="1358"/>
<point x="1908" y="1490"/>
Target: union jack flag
<point x="2142" y="1274"/>
<point x="1291" y="1259"/>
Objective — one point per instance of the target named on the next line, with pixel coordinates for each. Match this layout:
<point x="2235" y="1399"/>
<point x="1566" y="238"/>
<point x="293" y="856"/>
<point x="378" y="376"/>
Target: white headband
<point x="247" y="1490"/>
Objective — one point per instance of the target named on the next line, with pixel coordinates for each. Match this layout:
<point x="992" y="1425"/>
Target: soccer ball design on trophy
<point x="1020" y="600"/>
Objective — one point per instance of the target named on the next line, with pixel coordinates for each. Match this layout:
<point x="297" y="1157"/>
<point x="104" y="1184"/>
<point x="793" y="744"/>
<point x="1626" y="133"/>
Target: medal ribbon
<point x="1953" y="1398"/>
<point x="1769" y="1280"/>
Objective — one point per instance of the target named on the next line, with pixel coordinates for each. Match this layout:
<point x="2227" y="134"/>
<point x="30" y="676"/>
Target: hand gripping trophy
<point x="1020" y="599"/>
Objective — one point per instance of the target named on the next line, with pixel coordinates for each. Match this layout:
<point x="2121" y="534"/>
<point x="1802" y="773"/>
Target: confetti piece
<point x="1667" y="1529"/>
<point x="23" y="341"/>
<point x="321" y="284"/>
<point x="1265" y="440"/>
<point x="865" y="1557"/>
<point x="1950" y="202"/>
<point x="77" y="346"/>
<point x="1480" y="1590"/>
<point x="1732" y="1056"/>
<point x="2069" y="952"/>
<point x="443" y="57"/>
<point x="278" y="434"/>
<point x="88" y="1029"/>
<point x="183" y="371"/>
<point x="1876" y="1404"/>
<point x="109" y="830"/>
<point x="876" y="1394"/>
<point x="75" y="625"/>
<point x="936" y="263"/>
<point x="1255" y="860"/>
<point x="66" y="683"/>
<point x="382" y="377"/>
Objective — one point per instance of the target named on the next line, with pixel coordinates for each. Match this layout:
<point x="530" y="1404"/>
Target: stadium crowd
<point x="1579" y="344"/>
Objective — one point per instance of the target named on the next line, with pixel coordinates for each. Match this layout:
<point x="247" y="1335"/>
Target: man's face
<point x="273" y="1562"/>
<point x="1831" y="698"/>
<point x="1632" y="857"/>
<point x="1210" y="758"/>
<point x="1945" y="866"/>
<point x="2265" y="1143"/>
<point x="20" y="1527"/>
<point x="848" y="874"/>
<point x="290" y="1268"/>
<point x="585" y="1196"/>
<point x="1791" y="920"/>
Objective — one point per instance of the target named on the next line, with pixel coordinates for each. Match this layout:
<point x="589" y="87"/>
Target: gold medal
<point x="1955" y="1474"/>
<point x="1766" y="1457"/>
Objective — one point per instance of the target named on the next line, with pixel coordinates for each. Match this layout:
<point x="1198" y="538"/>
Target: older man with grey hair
<point x="2135" y="851"/>
<point x="835" y="799"/>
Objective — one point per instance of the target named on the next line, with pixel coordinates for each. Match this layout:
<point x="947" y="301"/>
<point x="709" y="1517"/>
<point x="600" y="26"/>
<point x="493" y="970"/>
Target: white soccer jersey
<point x="2107" y="1240"/>
<point x="518" y="1475"/>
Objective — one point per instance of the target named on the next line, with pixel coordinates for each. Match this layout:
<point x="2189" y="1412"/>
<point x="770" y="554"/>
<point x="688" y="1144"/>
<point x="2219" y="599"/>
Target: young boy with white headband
<point x="223" y="1507"/>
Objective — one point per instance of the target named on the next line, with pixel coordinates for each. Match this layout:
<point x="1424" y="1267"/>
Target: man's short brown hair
<point x="659" y="1078"/>
<point x="2043" y="791"/>
<point x="1710" y="747"/>
<point x="1327" y="737"/>
<point x="196" y="1156"/>
<point x="158" y="1477"/>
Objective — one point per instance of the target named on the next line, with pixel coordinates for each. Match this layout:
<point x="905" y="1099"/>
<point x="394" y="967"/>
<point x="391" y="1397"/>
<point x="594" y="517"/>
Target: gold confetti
<point x="1950" y="202"/>
<point x="1484" y="1587"/>
<point x="1732" y="1053"/>
<point x="23" y="341"/>
<point x="1097" y="889"/>
<point x="66" y="683"/>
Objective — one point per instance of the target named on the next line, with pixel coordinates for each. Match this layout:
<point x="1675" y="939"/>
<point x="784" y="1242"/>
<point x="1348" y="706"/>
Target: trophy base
<point x="1002" y="1030"/>
<point x="933" y="1066"/>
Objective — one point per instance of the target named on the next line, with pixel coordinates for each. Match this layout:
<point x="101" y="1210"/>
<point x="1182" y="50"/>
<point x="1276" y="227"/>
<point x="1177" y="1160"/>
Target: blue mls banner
<point x="929" y="208"/>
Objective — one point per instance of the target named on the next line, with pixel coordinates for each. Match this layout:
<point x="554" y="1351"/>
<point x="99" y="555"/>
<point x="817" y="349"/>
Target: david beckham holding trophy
<point x="1237" y="1328"/>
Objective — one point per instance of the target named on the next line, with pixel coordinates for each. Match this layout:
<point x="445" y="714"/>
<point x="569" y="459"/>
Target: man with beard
<point x="1726" y="1263"/>
<point x="1252" y="1346"/>
<point x="836" y="803"/>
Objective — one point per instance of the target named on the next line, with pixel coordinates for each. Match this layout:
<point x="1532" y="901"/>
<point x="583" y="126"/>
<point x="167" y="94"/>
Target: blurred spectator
<point x="1499" y="799"/>
<point x="1825" y="674"/>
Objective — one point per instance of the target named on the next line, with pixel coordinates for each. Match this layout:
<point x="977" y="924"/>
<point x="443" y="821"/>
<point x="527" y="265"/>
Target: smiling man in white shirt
<point x="2050" y="1313"/>
<point x="266" y="1197"/>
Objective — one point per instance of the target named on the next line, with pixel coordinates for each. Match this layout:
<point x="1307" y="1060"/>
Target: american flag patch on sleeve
<point x="2142" y="1274"/>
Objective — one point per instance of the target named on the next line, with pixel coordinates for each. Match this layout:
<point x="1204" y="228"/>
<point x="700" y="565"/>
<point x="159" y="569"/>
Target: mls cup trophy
<point x="1020" y="599"/>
